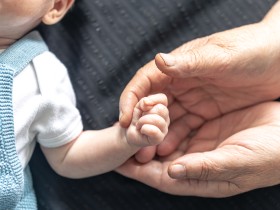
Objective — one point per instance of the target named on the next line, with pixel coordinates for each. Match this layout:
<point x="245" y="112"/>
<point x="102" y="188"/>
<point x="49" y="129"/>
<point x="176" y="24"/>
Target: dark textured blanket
<point x="103" y="43"/>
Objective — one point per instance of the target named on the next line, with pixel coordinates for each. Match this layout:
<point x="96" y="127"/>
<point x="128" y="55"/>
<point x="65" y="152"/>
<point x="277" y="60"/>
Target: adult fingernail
<point x="168" y="59"/>
<point x="177" y="171"/>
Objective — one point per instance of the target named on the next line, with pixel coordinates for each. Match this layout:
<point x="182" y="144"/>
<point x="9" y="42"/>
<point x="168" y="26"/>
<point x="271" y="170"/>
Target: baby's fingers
<point x="153" y="120"/>
<point x="160" y="110"/>
<point x="147" y="103"/>
<point x="153" y="133"/>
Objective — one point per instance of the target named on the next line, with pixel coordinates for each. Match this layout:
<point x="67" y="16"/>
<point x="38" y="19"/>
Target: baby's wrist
<point x="125" y="140"/>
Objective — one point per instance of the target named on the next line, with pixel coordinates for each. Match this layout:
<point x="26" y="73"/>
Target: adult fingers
<point x="137" y="88"/>
<point x="149" y="173"/>
<point x="154" y="174"/>
<point x="145" y="154"/>
<point x="146" y="81"/>
<point x="204" y="61"/>
<point x="217" y="165"/>
<point x="179" y="129"/>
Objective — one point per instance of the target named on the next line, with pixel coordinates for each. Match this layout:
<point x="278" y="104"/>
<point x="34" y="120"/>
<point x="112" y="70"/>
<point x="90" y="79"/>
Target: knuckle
<point x="194" y="63"/>
<point x="209" y="170"/>
<point x="225" y="60"/>
<point x="161" y="110"/>
<point x="155" y="138"/>
<point x="204" y="171"/>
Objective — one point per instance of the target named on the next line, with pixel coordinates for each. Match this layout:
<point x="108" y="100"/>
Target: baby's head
<point x="17" y="17"/>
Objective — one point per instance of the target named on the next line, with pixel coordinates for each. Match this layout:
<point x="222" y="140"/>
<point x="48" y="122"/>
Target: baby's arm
<point x="100" y="151"/>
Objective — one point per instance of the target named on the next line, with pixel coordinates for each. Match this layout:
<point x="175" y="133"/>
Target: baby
<point x="37" y="104"/>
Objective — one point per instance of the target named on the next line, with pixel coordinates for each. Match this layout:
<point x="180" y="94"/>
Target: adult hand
<point x="211" y="76"/>
<point x="229" y="155"/>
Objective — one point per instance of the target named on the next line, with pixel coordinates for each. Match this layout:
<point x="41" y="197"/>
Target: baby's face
<point x="17" y="15"/>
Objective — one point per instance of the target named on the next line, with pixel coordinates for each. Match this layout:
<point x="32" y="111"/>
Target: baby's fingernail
<point x="168" y="59"/>
<point x="177" y="171"/>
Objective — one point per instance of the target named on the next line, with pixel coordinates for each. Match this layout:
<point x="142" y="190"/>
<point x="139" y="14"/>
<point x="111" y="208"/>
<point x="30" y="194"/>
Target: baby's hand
<point x="150" y="121"/>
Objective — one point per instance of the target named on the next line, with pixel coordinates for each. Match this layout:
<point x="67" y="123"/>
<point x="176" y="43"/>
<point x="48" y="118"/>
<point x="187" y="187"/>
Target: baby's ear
<point x="58" y="11"/>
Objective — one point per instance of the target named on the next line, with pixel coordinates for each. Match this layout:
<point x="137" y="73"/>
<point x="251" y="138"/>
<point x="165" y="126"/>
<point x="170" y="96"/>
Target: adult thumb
<point x="209" y="60"/>
<point x="216" y="165"/>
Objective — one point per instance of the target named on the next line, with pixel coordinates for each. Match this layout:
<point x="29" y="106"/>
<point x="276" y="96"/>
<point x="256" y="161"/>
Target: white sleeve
<point x="58" y="121"/>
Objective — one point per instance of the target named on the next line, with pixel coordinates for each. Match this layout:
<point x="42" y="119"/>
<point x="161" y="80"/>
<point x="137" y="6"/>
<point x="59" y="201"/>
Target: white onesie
<point x="44" y="106"/>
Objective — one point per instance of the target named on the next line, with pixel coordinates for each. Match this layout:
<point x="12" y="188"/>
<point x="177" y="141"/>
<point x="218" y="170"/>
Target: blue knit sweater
<point x="16" y="191"/>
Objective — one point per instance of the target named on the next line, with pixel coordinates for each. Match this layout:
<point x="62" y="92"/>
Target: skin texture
<point x="106" y="149"/>
<point x="17" y="17"/>
<point x="229" y="155"/>
<point x="102" y="150"/>
<point x="212" y="82"/>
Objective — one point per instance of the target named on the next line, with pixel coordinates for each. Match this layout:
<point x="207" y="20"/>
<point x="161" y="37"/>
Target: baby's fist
<point x="150" y="121"/>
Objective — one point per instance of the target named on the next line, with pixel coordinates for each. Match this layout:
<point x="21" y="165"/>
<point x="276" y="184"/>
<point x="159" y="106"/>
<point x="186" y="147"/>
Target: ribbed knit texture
<point x="11" y="174"/>
<point x="103" y="43"/>
<point x="16" y="190"/>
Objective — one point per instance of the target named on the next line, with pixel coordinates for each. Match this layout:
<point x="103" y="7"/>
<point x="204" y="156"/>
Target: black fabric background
<point x="103" y="43"/>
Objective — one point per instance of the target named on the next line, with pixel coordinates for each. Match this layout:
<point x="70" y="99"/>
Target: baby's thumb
<point x="201" y="61"/>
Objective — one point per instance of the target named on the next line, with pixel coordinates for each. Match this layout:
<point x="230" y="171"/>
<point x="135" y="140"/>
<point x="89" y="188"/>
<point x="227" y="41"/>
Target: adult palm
<point x="226" y="156"/>
<point x="210" y="76"/>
